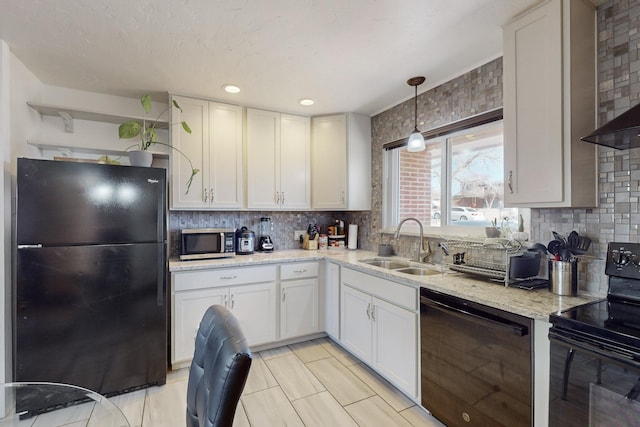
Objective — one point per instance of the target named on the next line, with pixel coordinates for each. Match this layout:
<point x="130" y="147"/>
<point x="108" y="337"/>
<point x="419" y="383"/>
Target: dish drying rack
<point x="488" y="258"/>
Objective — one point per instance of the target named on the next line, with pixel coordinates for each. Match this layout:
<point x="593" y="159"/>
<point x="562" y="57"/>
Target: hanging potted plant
<point x="138" y="154"/>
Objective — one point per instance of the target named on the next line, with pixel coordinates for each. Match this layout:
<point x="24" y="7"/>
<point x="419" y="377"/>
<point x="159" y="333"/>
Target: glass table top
<point x="54" y="405"/>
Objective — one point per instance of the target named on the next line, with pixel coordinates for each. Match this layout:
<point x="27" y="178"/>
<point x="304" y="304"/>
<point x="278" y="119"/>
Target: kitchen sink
<point x="385" y="263"/>
<point x="417" y="271"/>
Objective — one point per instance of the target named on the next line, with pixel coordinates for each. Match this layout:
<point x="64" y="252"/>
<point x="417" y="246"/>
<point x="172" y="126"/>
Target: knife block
<point x="310" y="244"/>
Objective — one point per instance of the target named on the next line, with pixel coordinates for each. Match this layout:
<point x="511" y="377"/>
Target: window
<point x="455" y="186"/>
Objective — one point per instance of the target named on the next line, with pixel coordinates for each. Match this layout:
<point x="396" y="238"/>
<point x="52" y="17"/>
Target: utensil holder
<point x="563" y="277"/>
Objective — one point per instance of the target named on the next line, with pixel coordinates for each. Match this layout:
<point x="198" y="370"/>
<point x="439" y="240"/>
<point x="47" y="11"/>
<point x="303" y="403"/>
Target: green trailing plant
<point x="148" y="134"/>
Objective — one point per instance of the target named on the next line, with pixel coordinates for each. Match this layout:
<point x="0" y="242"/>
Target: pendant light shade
<point x="416" y="140"/>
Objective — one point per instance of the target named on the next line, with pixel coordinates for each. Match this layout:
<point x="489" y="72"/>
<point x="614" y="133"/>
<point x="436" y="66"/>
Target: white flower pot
<point x="140" y="158"/>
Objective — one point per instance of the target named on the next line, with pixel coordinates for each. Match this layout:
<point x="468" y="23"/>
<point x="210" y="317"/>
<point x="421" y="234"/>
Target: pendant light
<point x="416" y="140"/>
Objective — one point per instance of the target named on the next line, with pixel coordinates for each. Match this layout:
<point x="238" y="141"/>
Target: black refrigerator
<point x="90" y="294"/>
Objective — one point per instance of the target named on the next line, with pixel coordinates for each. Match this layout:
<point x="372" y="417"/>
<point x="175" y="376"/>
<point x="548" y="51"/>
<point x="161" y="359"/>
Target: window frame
<point x="391" y="182"/>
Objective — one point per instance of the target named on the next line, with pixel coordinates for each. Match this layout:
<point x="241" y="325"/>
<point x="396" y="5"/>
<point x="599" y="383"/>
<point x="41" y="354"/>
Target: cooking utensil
<point x="565" y="254"/>
<point x="554" y="247"/>
<point x="559" y="237"/>
<point x="577" y="244"/>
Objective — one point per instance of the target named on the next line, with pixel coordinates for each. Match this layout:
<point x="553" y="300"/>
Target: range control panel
<point x="623" y="260"/>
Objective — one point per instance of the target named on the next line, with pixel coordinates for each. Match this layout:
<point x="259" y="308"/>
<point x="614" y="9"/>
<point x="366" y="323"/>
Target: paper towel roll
<point x="353" y="236"/>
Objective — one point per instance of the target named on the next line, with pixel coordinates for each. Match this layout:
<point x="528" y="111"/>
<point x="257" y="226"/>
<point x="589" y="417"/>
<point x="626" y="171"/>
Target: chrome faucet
<point x="422" y="253"/>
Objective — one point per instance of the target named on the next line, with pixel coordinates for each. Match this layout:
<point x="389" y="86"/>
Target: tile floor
<point x="314" y="383"/>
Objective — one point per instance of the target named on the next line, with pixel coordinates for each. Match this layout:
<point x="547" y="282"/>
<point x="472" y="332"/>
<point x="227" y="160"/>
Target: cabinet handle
<point x="373" y="313"/>
<point x="369" y="311"/>
<point x="232" y="302"/>
<point x="283" y="295"/>
<point x="283" y="197"/>
<point x="510" y="182"/>
<point x="342" y="196"/>
<point x="304" y="270"/>
<point x="211" y="194"/>
<point x="204" y="194"/>
<point x="228" y="277"/>
<point x="226" y="304"/>
<point x="277" y="197"/>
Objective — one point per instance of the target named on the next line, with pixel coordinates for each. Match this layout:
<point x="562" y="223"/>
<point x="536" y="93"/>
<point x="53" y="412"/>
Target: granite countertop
<point x="535" y="304"/>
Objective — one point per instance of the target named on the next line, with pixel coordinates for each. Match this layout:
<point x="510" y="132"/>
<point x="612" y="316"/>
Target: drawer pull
<point x="228" y="277"/>
<point x="304" y="270"/>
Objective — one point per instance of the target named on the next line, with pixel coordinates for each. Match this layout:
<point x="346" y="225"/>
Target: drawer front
<point x="298" y="270"/>
<point x="396" y="293"/>
<point x="200" y="279"/>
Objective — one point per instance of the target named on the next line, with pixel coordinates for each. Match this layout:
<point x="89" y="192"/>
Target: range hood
<point x="620" y="133"/>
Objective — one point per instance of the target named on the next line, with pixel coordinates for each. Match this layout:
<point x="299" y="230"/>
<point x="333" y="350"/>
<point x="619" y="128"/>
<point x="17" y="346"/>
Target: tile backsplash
<point x="284" y="224"/>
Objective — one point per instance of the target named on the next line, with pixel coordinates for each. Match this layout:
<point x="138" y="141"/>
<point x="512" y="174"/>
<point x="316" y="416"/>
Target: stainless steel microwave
<point x="204" y="243"/>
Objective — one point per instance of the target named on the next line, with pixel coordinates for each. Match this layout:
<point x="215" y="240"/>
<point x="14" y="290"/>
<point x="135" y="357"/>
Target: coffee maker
<point x="265" y="229"/>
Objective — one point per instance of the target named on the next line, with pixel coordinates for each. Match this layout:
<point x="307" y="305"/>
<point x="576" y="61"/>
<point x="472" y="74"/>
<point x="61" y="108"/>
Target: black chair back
<point x="219" y="370"/>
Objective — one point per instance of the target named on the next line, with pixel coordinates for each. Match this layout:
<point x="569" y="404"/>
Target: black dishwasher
<point x="476" y="363"/>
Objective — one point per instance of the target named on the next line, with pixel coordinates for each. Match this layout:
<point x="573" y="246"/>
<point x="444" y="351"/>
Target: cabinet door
<point x="395" y="344"/>
<point x="196" y="147"/>
<point x="188" y="309"/>
<point x="255" y="308"/>
<point x="295" y="162"/>
<point x="225" y="156"/>
<point x="355" y="322"/>
<point x="533" y="108"/>
<point x="263" y="159"/>
<point x="329" y="157"/>
<point x="332" y="300"/>
<point x="298" y="307"/>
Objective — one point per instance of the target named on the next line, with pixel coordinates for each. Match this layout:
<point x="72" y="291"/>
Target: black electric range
<point x="595" y="350"/>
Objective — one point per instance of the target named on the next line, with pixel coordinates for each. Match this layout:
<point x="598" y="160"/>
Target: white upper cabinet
<point x="214" y="146"/>
<point x="341" y="162"/>
<point x="549" y="104"/>
<point x="278" y="161"/>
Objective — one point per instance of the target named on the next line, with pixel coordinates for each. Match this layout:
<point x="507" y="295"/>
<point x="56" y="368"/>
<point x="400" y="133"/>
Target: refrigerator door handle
<point x="162" y="280"/>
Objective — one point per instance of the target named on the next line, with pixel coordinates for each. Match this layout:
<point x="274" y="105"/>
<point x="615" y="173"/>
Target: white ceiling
<point x="347" y="55"/>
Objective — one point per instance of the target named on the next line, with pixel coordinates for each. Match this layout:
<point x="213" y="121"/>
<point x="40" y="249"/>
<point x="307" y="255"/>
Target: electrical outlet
<point x="297" y="234"/>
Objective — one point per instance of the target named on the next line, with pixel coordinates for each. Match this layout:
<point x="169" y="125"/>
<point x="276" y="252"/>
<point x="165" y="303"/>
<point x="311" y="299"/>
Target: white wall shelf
<point x="69" y="150"/>
<point x="68" y="114"/>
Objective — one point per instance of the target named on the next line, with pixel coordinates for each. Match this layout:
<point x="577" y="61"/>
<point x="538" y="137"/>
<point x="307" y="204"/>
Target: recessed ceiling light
<point x="306" y="102"/>
<point x="231" y="88"/>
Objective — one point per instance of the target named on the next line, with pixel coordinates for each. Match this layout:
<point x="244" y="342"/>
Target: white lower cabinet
<point x="249" y="293"/>
<point x="379" y="324"/>
<point x="298" y="299"/>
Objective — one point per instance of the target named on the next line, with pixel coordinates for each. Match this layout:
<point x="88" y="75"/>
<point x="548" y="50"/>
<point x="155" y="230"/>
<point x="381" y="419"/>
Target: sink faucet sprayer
<point x="422" y="253"/>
